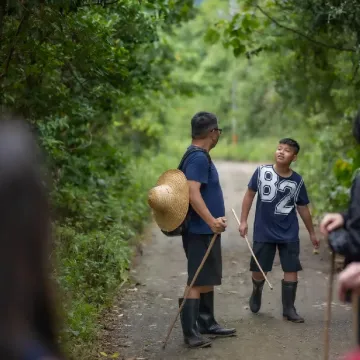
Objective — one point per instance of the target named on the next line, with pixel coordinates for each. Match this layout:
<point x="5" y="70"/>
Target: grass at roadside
<point x="248" y="150"/>
<point x="257" y="150"/>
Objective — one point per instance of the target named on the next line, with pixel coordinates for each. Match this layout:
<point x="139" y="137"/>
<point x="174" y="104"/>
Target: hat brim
<point x="178" y="208"/>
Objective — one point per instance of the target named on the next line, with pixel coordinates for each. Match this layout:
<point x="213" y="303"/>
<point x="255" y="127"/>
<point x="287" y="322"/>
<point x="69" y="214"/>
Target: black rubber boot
<point x="188" y="316"/>
<point x="255" y="298"/>
<point x="206" y="320"/>
<point x="288" y="300"/>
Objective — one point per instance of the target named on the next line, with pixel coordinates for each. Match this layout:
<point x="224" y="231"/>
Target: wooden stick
<point x="355" y="308"/>
<point x="189" y="287"/>
<point x="328" y="310"/>
<point x="252" y="252"/>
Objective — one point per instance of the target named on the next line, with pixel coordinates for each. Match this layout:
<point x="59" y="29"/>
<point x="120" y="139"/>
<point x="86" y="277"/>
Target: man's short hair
<point x="201" y="123"/>
<point x="292" y="143"/>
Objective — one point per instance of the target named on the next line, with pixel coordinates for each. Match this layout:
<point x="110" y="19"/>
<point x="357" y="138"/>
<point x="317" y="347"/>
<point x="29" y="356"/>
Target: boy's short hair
<point x="292" y="143"/>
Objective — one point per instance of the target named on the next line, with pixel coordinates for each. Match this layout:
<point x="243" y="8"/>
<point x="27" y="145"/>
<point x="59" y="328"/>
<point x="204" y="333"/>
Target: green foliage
<point x="286" y="69"/>
<point x="93" y="264"/>
<point x="273" y="70"/>
<point x="91" y="76"/>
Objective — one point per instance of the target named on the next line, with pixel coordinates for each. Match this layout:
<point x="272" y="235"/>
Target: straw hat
<point x="169" y="200"/>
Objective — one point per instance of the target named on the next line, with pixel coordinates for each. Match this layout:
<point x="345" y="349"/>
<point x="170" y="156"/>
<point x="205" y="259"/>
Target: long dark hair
<point x="27" y="309"/>
<point x="356" y="127"/>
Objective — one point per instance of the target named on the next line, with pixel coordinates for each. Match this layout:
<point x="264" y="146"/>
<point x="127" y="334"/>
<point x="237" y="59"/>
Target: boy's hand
<point x="314" y="241"/>
<point x="218" y="225"/>
<point x="243" y="229"/>
<point x="331" y="222"/>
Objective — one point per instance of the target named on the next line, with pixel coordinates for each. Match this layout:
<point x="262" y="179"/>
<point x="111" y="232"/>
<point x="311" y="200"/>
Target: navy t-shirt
<point x="196" y="167"/>
<point x="275" y="217"/>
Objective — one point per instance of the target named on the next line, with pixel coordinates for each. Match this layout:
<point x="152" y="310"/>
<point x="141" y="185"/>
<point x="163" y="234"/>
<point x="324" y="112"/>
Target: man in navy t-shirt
<point x="281" y="191"/>
<point x="206" y="217"/>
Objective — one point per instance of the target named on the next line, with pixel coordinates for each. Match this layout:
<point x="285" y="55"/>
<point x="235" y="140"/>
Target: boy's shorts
<point x="265" y="254"/>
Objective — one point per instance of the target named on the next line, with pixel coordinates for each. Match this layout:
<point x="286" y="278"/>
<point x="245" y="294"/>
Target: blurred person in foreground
<point x="343" y="229"/>
<point x="27" y="308"/>
<point x="343" y="233"/>
<point x="349" y="281"/>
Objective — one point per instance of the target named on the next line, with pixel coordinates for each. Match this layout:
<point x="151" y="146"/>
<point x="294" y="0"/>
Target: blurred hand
<point x="331" y="222"/>
<point x="243" y="229"/>
<point x="315" y="241"/>
<point x="349" y="279"/>
<point x="219" y="225"/>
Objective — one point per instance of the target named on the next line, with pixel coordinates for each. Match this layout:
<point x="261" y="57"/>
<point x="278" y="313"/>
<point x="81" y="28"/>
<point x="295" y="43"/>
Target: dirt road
<point x="138" y="323"/>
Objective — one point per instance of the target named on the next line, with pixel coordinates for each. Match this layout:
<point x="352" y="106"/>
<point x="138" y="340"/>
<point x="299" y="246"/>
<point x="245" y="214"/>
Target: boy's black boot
<point x="288" y="300"/>
<point x="188" y="316"/>
<point x="206" y="320"/>
<point x="255" y="299"/>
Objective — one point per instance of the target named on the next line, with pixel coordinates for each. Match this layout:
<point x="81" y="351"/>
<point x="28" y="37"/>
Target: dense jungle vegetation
<point x="110" y="87"/>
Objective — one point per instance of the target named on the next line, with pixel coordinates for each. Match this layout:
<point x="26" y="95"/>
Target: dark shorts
<point x="195" y="247"/>
<point x="265" y="254"/>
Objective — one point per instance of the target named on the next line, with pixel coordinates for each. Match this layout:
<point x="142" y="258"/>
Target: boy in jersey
<point x="280" y="192"/>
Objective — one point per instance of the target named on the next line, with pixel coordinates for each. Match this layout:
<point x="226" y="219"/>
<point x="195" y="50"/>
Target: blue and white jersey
<point x="275" y="217"/>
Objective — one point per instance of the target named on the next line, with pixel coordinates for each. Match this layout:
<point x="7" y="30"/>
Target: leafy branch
<point x="73" y="73"/>
<point x="12" y="49"/>
<point x="329" y="46"/>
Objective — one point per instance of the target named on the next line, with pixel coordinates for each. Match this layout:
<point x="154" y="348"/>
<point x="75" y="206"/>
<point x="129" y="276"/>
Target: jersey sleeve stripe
<point x="258" y="176"/>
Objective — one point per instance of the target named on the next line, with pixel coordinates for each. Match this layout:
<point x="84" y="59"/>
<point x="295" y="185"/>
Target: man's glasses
<point x="217" y="129"/>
